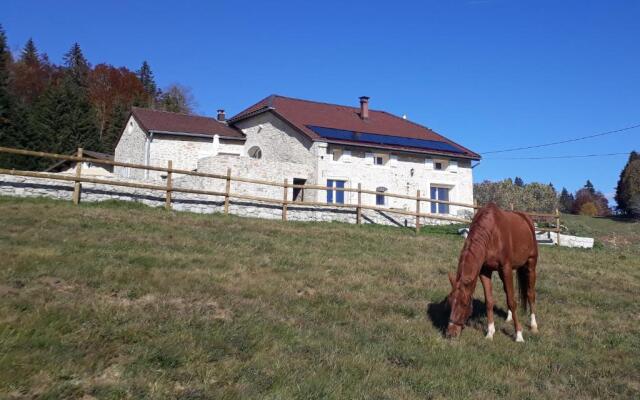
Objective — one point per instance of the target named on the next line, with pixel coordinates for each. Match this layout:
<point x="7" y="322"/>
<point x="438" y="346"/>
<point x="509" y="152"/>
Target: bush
<point x="535" y="197"/>
<point x="597" y="199"/>
<point x="589" y="209"/>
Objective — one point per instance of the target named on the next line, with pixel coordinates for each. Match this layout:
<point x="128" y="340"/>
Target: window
<point x="440" y="165"/>
<point x="439" y="193"/>
<point x="255" y="152"/>
<point x="380" y="198"/>
<point x="378" y="160"/>
<point x="298" y="193"/>
<point x="335" y="196"/>
<point x="337" y="153"/>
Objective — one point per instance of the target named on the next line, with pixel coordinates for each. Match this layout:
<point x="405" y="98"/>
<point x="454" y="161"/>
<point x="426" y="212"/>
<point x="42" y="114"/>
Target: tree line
<point x="58" y="108"/>
<point x="539" y="197"/>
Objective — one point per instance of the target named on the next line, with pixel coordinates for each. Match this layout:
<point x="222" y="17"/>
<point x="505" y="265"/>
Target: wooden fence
<point x="284" y="202"/>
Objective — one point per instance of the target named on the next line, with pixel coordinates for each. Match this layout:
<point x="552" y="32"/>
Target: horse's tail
<point x="523" y="285"/>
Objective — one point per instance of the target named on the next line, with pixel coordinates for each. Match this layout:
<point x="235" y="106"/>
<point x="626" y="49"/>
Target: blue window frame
<point x="335" y="196"/>
<point x="439" y="193"/>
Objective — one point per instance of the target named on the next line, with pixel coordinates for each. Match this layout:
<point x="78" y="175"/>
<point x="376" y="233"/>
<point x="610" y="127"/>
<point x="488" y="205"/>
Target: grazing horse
<point x="500" y="241"/>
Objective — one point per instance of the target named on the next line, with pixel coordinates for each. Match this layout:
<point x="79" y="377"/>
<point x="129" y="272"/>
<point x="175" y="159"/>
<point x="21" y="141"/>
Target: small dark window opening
<point x="255" y="152"/>
<point x="378" y="160"/>
<point x="438" y="166"/>
<point x="298" y="193"/>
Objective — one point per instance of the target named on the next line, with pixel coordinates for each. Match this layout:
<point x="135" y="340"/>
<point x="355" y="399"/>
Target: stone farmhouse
<point x="306" y="142"/>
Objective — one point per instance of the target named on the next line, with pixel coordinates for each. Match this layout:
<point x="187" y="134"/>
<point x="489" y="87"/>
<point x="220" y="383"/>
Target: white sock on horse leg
<point x="509" y="316"/>
<point x="534" y="324"/>
<point x="519" y="337"/>
<point x="491" y="329"/>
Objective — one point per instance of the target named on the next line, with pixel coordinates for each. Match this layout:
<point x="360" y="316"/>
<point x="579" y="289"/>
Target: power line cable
<point x="563" y="141"/>
<point x="556" y="157"/>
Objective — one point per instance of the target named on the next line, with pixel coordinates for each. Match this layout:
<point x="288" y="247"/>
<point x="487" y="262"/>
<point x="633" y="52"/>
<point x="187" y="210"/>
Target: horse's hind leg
<point x="531" y="291"/>
<point x="485" y="278"/>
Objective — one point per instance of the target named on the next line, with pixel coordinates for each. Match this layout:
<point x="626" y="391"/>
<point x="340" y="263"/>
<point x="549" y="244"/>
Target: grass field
<point x="121" y="301"/>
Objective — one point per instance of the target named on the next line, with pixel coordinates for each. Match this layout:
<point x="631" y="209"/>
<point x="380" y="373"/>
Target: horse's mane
<point x="477" y="241"/>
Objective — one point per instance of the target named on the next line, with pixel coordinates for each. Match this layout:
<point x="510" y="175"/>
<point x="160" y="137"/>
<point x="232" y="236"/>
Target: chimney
<point x="221" y="116"/>
<point x="364" y="107"/>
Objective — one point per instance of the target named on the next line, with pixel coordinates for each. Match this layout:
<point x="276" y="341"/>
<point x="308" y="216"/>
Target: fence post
<point x="558" y="226"/>
<point x="359" y="208"/>
<point x="167" y="204"/>
<point x="284" y="199"/>
<point x="77" y="187"/>
<point x="473" y="210"/>
<point x="511" y="206"/>
<point x="227" y="191"/>
<point x="418" y="211"/>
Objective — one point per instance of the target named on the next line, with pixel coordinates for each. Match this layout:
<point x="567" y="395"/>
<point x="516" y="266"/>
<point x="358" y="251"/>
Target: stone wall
<point x="277" y="140"/>
<point x="401" y="173"/>
<point x="18" y="186"/>
<point x="131" y="148"/>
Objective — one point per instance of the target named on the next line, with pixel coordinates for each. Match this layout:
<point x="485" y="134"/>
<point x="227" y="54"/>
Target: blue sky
<point x="490" y="74"/>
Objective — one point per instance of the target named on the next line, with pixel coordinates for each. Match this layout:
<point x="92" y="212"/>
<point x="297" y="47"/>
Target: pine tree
<point x="148" y="83"/>
<point x="77" y="66"/>
<point x="628" y="188"/>
<point x="8" y="129"/>
<point x="566" y="201"/>
<point x="518" y="182"/>
<point x="115" y="125"/>
<point x="66" y="118"/>
<point x="29" y="54"/>
<point x="589" y="186"/>
<point x="5" y="98"/>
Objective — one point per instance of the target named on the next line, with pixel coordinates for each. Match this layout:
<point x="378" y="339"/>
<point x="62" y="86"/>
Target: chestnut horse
<point x="500" y="241"/>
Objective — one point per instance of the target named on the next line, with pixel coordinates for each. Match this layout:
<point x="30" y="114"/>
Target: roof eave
<point x="416" y="151"/>
<point x="202" y="135"/>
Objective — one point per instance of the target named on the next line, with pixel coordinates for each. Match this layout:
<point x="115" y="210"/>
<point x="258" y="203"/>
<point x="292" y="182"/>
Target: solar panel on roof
<point x="330" y="133"/>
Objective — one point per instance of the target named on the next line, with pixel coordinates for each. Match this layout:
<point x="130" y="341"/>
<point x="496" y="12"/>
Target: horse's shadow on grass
<point x="438" y="314"/>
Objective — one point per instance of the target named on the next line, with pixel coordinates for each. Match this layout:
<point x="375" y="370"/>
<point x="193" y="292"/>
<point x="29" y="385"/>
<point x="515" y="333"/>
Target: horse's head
<point x="460" y="305"/>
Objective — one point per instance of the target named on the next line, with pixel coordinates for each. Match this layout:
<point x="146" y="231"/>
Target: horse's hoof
<point x="519" y="337"/>
<point x="490" y="337"/>
<point x="534" y="329"/>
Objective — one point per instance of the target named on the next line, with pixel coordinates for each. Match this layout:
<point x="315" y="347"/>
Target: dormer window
<point x="437" y="165"/>
<point x="378" y="160"/>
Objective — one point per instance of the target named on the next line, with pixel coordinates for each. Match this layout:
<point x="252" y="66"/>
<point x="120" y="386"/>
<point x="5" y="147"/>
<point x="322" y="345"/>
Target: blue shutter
<point x="329" y="192"/>
<point x="434" y="195"/>
<point x="340" y="194"/>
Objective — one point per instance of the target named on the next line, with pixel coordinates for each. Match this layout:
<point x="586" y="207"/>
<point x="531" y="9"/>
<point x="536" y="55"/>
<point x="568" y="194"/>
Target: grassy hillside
<point x="122" y="301"/>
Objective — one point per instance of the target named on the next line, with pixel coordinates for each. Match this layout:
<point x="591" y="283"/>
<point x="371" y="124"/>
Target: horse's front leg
<point x="485" y="278"/>
<point x="506" y="273"/>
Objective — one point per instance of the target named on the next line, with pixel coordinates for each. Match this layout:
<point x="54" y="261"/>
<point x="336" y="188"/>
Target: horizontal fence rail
<point x="284" y="202"/>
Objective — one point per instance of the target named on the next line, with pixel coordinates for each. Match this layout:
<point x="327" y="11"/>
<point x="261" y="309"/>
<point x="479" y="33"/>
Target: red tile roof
<point x="303" y="113"/>
<point x="163" y="121"/>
